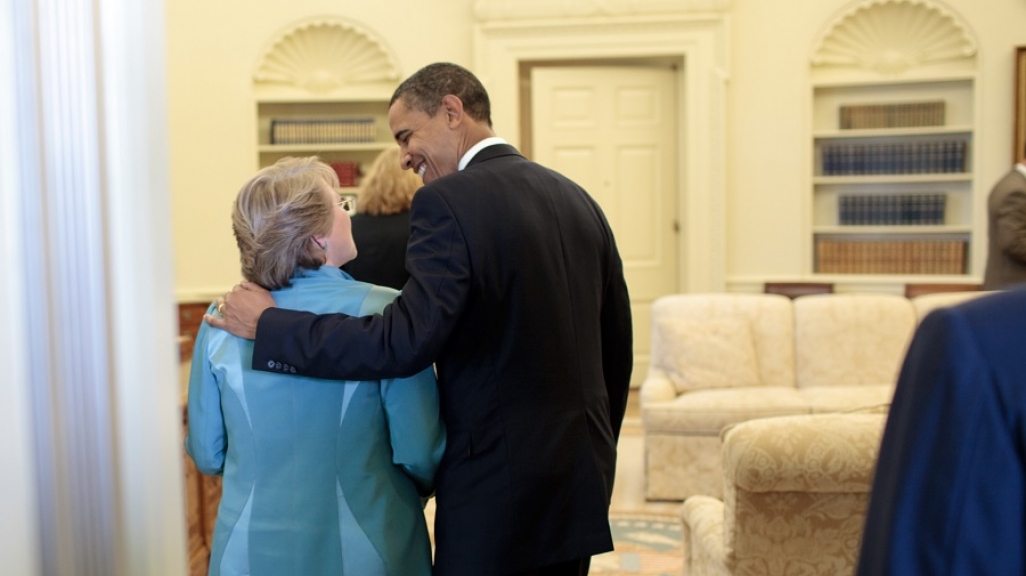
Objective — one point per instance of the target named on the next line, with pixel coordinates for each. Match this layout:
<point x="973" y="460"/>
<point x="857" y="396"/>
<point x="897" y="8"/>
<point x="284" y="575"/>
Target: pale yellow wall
<point x="213" y="48"/>
<point x="768" y="120"/>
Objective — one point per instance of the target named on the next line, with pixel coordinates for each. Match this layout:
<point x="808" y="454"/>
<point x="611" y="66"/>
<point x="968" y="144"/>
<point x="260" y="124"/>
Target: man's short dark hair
<point x="425" y="89"/>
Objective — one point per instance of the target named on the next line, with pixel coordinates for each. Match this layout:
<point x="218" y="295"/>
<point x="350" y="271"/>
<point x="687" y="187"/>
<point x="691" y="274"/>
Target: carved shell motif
<point x="322" y="55"/>
<point x="891" y="36"/>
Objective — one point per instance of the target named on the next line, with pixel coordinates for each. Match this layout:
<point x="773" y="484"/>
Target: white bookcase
<point x="893" y="201"/>
<point x="361" y="150"/>
<point x="319" y="71"/>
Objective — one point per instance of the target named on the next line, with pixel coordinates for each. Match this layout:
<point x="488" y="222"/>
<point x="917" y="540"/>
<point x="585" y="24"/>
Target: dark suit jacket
<point x="381" y="249"/>
<point x="949" y="495"/>
<point x="517" y="294"/>
<point x="1006" y="255"/>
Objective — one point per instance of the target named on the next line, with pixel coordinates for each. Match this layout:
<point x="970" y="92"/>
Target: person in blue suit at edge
<point x="517" y="294"/>
<point x="320" y="477"/>
<point x="949" y="493"/>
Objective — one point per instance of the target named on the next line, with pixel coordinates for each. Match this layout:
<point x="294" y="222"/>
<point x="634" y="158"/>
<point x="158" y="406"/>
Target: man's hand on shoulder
<point x="240" y="310"/>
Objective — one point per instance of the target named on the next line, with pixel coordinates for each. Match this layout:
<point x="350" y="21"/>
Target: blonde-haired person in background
<point x="381" y="226"/>
<point x="320" y="477"/>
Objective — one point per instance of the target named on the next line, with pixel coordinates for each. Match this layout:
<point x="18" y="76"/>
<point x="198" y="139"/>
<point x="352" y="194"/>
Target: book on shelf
<point x="348" y="173"/>
<point x="323" y="130"/>
<point x="891" y="209"/>
<point x="893" y="115"/>
<point x="921" y="157"/>
<point x="890" y="256"/>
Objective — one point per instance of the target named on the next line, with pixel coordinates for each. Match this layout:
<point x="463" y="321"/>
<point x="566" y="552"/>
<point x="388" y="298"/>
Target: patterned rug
<point x="643" y="545"/>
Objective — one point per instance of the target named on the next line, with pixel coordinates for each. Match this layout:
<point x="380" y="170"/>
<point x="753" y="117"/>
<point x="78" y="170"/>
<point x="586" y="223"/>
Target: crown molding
<point x="492" y="10"/>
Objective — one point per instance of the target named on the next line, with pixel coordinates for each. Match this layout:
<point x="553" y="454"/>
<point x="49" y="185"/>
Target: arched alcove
<point x="893" y="37"/>
<point x="322" y="55"/>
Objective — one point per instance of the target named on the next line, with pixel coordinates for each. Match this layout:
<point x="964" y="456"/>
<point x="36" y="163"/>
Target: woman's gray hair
<point x="276" y="214"/>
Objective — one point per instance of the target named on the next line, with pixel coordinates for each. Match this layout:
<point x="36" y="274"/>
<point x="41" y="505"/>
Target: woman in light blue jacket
<point x="320" y="477"/>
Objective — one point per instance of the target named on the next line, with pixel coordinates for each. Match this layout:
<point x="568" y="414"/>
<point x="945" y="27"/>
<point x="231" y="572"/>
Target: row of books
<point x="896" y="115"/>
<point x="323" y="131"/>
<point x="891" y="209"/>
<point x="890" y="256"/>
<point x="937" y="156"/>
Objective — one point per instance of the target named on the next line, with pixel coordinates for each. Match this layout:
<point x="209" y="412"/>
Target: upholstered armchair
<point x="795" y="495"/>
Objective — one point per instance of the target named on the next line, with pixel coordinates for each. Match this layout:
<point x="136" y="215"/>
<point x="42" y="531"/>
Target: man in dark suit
<point x="949" y="495"/>
<point x="517" y="294"/>
<point x="1006" y="209"/>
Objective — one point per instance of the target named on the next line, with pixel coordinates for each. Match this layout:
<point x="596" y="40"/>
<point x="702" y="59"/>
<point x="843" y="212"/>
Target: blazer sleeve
<point x="617" y="341"/>
<point x="207" y="439"/>
<point x="415" y="427"/>
<point x="1010" y="233"/>
<point x="409" y="333"/>
<point x="947" y="496"/>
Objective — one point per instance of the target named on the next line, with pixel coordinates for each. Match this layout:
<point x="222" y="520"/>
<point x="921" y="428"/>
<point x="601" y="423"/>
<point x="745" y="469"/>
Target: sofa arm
<point x="657" y="387"/>
<point x="796" y="492"/>
<point x="704" y="550"/>
<point x="806" y="453"/>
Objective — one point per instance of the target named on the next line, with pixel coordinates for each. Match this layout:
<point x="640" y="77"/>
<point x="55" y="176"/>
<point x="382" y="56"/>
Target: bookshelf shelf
<point x="849" y="77"/>
<point x="350" y="152"/>
<point x="852" y="134"/>
<point x="881" y="231"/>
<point x="899" y="179"/>
<point x="319" y="148"/>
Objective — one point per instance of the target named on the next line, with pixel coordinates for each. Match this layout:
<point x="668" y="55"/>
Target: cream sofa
<point x="795" y="495"/>
<point x="719" y="359"/>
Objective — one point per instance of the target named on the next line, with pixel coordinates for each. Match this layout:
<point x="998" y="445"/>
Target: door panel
<point x="613" y="130"/>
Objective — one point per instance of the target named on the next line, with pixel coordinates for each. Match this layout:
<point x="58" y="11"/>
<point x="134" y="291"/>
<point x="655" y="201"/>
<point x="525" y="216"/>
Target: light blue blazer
<point x="320" y="476"/>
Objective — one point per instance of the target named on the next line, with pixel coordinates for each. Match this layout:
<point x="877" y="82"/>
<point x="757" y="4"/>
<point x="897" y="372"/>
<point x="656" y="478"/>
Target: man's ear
<point x="453" y="108"/>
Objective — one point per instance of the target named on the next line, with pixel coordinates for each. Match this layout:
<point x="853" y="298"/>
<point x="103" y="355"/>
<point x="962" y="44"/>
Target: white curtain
<point x="89" y="425"/>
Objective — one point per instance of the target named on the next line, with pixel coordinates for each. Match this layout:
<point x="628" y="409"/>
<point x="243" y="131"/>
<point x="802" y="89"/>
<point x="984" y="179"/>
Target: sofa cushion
<point x="709" y="353"/>
<point x="762" y="323"/>
<point x="708" y="411"/>
<point x="926" y="303"/>
<point x="824" y="399"/>
<point x="850" y="339"/>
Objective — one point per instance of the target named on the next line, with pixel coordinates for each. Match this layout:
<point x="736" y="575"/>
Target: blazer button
<point x="270" y="363"/>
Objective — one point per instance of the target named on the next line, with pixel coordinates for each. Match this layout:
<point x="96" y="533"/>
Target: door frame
<point x="698" y="44"/>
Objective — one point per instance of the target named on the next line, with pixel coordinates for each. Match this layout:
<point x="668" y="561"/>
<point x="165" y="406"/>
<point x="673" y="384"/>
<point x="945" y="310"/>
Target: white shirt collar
<point x="477" y="148"/>
<point x="1021" y="168"/>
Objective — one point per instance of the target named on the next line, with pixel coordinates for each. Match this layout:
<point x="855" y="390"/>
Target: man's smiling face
<point x="428" y="145"/>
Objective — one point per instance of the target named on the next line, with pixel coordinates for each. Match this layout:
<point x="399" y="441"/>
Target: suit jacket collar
<point x="493" y="151"/>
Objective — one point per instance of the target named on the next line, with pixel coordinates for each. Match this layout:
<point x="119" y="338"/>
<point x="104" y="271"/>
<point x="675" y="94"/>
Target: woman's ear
<point x="321" y="242"/>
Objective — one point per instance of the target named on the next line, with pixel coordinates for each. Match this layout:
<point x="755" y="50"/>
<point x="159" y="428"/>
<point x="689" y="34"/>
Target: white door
<point x="613" y="130"/>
